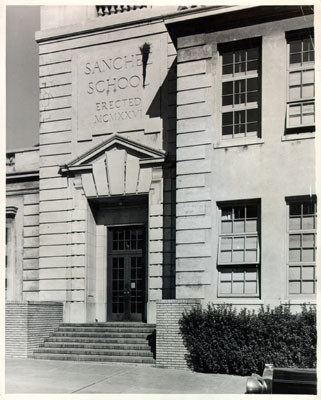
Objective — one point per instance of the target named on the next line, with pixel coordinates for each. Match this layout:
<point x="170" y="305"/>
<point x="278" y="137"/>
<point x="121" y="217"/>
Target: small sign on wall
<point x="116" y="87"/>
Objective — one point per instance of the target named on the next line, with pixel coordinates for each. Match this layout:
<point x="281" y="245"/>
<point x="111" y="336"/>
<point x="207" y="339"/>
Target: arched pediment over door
<point x="116" y="167"/>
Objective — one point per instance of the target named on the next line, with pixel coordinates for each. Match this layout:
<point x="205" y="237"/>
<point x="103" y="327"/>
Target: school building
<point x="175" y="167"/>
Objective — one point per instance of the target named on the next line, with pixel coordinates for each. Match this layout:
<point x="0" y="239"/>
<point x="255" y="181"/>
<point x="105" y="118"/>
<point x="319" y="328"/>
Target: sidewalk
<point x="42" y="376"/>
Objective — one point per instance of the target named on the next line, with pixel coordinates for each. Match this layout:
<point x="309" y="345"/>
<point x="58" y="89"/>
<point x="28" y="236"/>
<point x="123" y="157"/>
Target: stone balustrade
<point x="110" y="10"/>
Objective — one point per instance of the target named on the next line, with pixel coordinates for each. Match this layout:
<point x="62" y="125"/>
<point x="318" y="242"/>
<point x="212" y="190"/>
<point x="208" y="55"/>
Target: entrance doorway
<point x="126" y="273"/>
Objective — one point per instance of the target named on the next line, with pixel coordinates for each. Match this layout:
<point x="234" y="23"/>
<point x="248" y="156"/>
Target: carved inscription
<point x="116" y="84"/>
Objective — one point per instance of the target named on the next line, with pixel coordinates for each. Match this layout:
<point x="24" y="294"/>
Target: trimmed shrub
<point x="221" y="340"/>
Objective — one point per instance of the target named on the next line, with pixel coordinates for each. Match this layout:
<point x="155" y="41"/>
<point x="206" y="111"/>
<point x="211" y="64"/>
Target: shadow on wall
<point x="164" y="106"/>
<point x="152" y="343"/>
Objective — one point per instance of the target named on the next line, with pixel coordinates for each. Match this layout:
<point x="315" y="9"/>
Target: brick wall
<point x="170" y="350"/>
<point x="28" y="323"/>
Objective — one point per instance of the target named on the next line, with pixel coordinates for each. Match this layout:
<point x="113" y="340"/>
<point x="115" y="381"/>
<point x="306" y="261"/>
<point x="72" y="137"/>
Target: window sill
<point x="297" y="136"/>
<point x="222" y="144"/>
<point x="295" y="299"/>
<point x="255" y="299"/>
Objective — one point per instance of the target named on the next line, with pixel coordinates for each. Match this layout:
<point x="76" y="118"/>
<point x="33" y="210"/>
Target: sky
<point x="22" y="77"/>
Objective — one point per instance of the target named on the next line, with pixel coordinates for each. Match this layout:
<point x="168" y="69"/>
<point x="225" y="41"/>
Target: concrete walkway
<point x="42" y="376"/>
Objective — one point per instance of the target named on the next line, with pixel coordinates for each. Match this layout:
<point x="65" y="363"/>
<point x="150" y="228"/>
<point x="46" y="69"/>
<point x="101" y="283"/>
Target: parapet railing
<point x="110" y="10"/>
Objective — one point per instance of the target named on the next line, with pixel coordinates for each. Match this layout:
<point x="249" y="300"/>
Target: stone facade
<point x="145" y="132"/>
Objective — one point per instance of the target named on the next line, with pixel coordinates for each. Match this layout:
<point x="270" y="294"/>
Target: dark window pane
<point x="252" y="97"/>
<point x="307" y="44"/>
<point x="228" y="58"/>
<point x="227" y="100"/>
<point x="252" y="127"/>
<point x="239" y="117"/>
<point x="228" y="69"/>
<point x="253" y="54"/>
<point x="295" y="46"/>
<point x="227" y="130"/>
<point x="308" y="208"/>
<point x="295" y="58"/>
<point x="295" y="209"/>
<point x="239" y="56"/>
<point x="227" y="118"/>
<point x="240" y="128"/>
<point x="252" y="115"/>
<point x="240" y="67"/>
<point x="239" y="212"/>
<point x="251" y="211"/>
<point x="227" y="88"/>
<point x="252" y="84"/>
<point x="239" y="99"/>
<point x="308" y="56"/>
<point x="239" y="87"/>
<point x="252" y="66"/>
<point x="227" y="213"/>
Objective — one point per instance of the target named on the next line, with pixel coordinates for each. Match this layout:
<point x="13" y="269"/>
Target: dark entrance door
<point x="126" y="273"/>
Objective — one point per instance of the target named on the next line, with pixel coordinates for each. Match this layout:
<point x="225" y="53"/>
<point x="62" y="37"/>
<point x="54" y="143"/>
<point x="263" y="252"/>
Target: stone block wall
<point x="28" y="323"/>
<point x="170" y="350"/>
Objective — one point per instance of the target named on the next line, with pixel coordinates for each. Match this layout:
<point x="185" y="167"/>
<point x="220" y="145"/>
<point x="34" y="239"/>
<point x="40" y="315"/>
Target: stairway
<point x="127" y="342"/>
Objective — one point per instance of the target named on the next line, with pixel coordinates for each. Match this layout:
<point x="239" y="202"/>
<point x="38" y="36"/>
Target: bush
<point x="221" y="340"/>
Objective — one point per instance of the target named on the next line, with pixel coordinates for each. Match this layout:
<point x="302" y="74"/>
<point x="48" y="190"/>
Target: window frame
<point x="222" y="48"/>
<point x="239" y="266"/>
<point x="301" y="232"/>
<point x="304" y="66"/>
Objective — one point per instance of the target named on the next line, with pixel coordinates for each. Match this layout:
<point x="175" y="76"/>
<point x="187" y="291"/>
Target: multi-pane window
<point x="127" y="239"/>
<point x="301" y="107"/>
<point x="240" y="90"/>
<point x="238" y="255"/>
<point x="302" y="247"/>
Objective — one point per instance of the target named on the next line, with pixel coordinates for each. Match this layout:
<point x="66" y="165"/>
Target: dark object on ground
<point x="283" y="381"/>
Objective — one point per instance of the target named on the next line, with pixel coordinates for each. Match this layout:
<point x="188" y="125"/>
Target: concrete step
<point x="112" y="342"/>
<point x="111" y="324"/>
<point x="102" y="334"/>
<point x="75" y="339"/>
<point x="92" y="351"/>
<point x="94" y="358"/>
<point x="112" y="346"/>
<point x="104" y="329"/>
